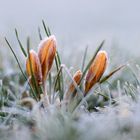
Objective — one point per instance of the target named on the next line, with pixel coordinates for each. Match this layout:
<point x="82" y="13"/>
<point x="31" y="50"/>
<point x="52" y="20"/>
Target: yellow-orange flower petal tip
<point x="77" y="77"/>
<point x="34" y="66"/>
<point x="46" y="54"/>
<point x="96" y="70"/>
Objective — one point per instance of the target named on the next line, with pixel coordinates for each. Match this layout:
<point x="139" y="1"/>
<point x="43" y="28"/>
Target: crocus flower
<point x="46" y="54"/>
<point x="33" y="67"/>
<point x="96" y="70"/>
<point x="77" y="77"/>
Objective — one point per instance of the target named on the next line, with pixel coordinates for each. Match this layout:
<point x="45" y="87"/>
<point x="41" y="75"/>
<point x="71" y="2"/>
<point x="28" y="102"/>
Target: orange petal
<point x="77" y="77"/>
<point x="35" y="65"/>
<point x="46" y="54"/>
<point x="96" y="70"/>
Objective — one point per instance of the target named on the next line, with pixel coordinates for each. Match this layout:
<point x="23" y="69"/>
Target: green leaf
<point x="110" y="74"/>
<point x="46" y="29"/>
<point x="16" y="58"/>
<point x="18" y="63"/>
<point x="20" y="44"/>
<point x="39" y="33"/>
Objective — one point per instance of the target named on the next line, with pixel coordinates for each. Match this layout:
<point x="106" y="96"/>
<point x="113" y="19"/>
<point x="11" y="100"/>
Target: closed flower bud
<point x="96" y="70"/>
<point x="33" y="67"/>
<point x="46" y="54"/>
<point x="77" y="77"/>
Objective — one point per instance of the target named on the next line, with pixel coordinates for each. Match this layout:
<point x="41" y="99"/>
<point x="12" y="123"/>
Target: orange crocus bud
<point x="96" y="70"/>
<point x="77" y="77"/>
<point x="46" y="54"/>
<point x="33" y="63"/>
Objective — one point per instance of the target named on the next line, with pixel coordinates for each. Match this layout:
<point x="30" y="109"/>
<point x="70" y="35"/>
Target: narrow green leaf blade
<point x="45" y="28"/>
<point x="20" y="44"/>
<point x="111" y="73"/>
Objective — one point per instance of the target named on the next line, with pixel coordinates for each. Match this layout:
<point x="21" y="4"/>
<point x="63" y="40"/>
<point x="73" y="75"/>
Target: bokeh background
<point x="76" y="23"/>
